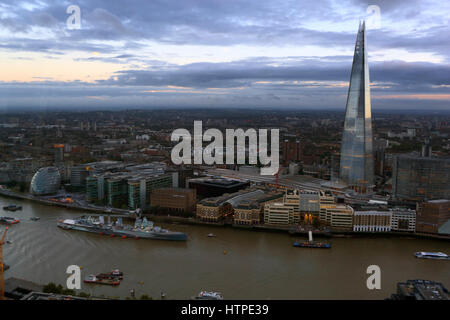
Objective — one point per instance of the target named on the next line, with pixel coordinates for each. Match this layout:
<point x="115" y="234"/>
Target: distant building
<point x="176" y="199"/>
<point x="78" y="176"/>
<point x="59" y="153"/>
<point x="372" y="221"/>
<point x="418" y="178"/>
<point x="291" y="151"/>
<point x="46" y="181"/>
<point x="420" y="290"/>
<point x="432" y="215"/>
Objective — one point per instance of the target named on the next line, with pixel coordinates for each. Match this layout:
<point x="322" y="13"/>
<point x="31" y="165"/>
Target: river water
<point x="241" y="264"/>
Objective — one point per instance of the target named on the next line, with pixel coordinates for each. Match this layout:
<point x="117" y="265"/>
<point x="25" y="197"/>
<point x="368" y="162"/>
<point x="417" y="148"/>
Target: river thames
<point x="241" y="264"/>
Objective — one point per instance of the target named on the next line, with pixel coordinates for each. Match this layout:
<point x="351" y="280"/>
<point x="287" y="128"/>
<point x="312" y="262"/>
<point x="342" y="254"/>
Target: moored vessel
<point x="94" y="279"/>
<point x="115" y="274"/>
<point x="208" y="295"/>
<point x="12" y="207"/>
<point x="311" y="244"/>
<point x="8" y="220"/>
<point x="142" y="229"/>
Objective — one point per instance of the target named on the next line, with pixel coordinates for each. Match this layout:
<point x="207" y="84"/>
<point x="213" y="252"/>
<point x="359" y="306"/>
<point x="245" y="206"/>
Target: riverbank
<point x="192" y="221"/>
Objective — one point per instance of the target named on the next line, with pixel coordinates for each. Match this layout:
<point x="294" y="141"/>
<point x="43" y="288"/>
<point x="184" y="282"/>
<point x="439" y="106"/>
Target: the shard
<point x="356" y="165"/>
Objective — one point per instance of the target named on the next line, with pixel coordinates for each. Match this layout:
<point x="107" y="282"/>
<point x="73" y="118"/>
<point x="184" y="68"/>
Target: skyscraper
<point x="356" y="165"/>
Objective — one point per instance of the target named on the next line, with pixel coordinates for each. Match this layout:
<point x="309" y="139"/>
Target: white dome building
<point x="45" y="181"/>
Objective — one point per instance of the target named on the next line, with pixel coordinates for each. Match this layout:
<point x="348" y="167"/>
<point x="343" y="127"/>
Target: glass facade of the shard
<point x="356" y="165"/>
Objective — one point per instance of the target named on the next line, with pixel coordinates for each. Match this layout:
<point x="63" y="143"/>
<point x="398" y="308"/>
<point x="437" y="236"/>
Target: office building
<point x="356" y="164"/>
<point x="420" y="178"/>
<point x="432" y="216"/>
<point x="372" y="221"/>
<point x="337" y="216"/>
<point x="45" y="181"/>
<point x="278" y="214"/>
<point x="403" y="220"/>
<point x="176" y="199"/>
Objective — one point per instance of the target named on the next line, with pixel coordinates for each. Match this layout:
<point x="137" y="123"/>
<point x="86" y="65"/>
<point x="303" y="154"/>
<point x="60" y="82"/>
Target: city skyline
<point x="208" y="54"/>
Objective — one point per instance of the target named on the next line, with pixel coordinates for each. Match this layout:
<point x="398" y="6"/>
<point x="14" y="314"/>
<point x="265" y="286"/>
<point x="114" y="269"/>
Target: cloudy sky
<point x="221" y="53"/>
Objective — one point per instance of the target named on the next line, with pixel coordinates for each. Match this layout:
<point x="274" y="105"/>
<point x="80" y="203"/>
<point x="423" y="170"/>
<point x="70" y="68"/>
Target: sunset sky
<point x="221" y="53"/>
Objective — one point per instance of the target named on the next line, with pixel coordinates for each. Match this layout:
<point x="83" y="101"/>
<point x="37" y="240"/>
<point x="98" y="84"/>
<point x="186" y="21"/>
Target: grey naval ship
<point x="142" y="228"/>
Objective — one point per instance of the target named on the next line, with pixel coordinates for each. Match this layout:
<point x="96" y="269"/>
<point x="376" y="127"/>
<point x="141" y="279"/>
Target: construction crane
<point x="2" y="279"/>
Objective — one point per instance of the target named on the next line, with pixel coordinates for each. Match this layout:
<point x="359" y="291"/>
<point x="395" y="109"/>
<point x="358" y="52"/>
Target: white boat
<point x="209" y="295"/>
<point x="432" y="255"/>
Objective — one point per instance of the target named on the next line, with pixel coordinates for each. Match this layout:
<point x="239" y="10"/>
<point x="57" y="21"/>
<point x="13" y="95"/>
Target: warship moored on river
<point x="142" y="228"/>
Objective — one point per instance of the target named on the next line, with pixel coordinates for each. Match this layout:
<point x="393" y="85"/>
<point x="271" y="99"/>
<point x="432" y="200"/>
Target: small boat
<point x="432" y="255"/>
<point x="5" y="267"/>
<point x="93" y="279"/>
<point x="12" y="207"/>
<point x="8" y="220"/>
<point x="211" y="235"/>
<point x="311" y="244"/>
<point x="208" y="295"/>
<point x="35" y="218"/>
<point x="115" y="274"/>
<point x="314" y="244"/>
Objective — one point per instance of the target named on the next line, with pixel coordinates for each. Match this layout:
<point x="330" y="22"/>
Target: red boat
<point x="8" y="220"/>
<point x="93" y="279"/>
<point x="115" y="274"/>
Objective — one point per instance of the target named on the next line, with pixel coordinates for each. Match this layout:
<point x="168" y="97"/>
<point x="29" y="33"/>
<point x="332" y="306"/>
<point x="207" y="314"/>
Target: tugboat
<point x="115" y="274"/>
<point x="12" y="207"/>
<point x="208" y="295"/>
<point x="311" y="244"/>
<point x="8" y="220"/>
<point x="93" y="279"/>
<point x="432" y="255"/>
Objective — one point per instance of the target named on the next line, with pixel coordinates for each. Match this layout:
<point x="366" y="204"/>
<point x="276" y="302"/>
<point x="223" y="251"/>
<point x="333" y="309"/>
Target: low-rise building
<point x="279" y="214"/>
<point x="403" y="220"/>
<point x="432" y="215"/>
<point x="213" y="209"/>
<point x="372" y="221"/>
<point x="177" y="199"/>
<point x="250" y="210"/>
<point x="337" y="216"/>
